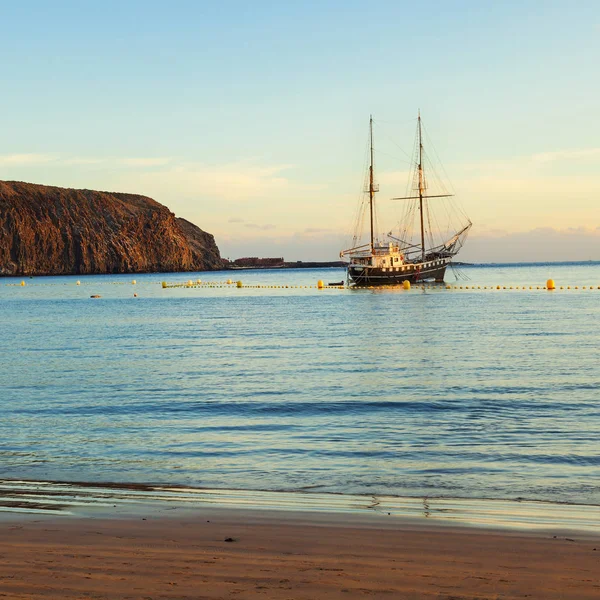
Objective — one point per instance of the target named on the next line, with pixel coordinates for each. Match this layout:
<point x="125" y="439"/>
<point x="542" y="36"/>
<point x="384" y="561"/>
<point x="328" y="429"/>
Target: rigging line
<point x="408" y="220"/>
<point x="430" y="232"/>
<point x="457" y="205"/>
<point x="394" y="122"/>
<point x="359" y="223"/>
<point x="431" y="167"/>
<point x="445" y="231"/>
<point x="430" y="142"/>
<point x="415" y="161"/>
<point x="459" y="273"/>
<point x="450" y="215"/>
<point x="359" y="218"/>
<point x="436" y="177"/>
<point x="389" y="139"/>
<point x="439" y="229"/>
<point x="458" y="201"/>
<point x="406" y="162"/>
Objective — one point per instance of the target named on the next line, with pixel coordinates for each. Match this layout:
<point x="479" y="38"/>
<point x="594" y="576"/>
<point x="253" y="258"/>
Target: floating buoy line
<point x="405" y="285"/>
<point x="227" y="284"/>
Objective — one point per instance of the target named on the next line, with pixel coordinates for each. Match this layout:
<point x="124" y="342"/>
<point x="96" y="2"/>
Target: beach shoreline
<point x="126" y="501"/>
<point x="227" y="552"/>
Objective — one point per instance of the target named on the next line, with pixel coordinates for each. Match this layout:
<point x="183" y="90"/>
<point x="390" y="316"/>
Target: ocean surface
<point x="431" y="393"/>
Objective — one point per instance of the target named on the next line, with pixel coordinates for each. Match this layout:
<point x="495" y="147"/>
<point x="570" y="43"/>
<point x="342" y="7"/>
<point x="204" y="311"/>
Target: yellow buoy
<point x="550" y="284"/>
<point x="22" y="283"/>
<point x="406" y="284"/>
<point x="239" y="284"/>
<point x="78" y="283"/>
<point x="199" y="281"/>
<point x="133" y="282"/>
<point x="229" y="282"/>
<point x="190" y="283"/>
<point x="320" y="284"/>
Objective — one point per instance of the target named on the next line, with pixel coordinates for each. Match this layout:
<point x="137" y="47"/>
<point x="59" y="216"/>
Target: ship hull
<point x="413" y="273"/>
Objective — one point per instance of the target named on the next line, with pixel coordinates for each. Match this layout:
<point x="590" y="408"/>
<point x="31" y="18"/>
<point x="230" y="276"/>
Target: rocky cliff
<point x="56" y="231"/>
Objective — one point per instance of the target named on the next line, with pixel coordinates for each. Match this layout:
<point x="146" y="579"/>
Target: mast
<point x="371" y="187"/>
<point x="421" y="189"/>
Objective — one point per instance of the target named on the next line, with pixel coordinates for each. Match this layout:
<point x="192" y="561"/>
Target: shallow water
<point x="431" y="392"/>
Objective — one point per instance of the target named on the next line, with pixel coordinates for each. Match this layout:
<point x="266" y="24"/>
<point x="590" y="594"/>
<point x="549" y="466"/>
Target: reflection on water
<point x="427" y="393"/>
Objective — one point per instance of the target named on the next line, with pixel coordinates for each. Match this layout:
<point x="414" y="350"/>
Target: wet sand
<point x="287" y="555"/>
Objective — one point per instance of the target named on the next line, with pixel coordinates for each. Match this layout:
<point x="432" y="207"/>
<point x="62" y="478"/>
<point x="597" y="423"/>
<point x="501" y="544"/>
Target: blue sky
<point x="250" y="119"/>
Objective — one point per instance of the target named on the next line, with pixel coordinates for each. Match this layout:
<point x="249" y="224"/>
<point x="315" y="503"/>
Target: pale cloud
<point x="560" y="155"/>
<point x="56" y="160"/>
<point x="145" y="162"/>
<point x="18" y="160"/>
<point x="396" y="179"/>
<point x="82" y="161"/>
<point x="544" y="244"/>
<point x="313" y="230"/>
<point x="292" y="246"/>
<point x="266" y="227"/>
<point x="235" y="182"/>
<point x="235" y="220"/>
<point x="526" y="200"/>
<point x="528" y="162"/>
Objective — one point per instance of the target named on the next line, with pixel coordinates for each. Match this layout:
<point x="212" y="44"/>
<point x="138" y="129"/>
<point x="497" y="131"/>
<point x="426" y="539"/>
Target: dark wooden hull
<point x="413" y="273"/>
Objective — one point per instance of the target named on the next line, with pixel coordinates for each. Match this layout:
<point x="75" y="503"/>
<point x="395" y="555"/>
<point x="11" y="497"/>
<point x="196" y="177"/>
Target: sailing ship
<point x="414" y="254"/>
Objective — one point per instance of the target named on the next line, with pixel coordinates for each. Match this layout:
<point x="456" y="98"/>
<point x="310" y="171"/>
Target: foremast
<point x="372" y="189"/>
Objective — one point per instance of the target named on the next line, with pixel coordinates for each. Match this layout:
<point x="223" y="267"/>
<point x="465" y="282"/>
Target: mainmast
<point x="371" y="186"/>
<point x="422" y="188"/>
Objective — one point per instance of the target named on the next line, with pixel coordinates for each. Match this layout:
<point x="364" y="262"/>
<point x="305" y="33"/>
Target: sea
<point x="485" y="387"/>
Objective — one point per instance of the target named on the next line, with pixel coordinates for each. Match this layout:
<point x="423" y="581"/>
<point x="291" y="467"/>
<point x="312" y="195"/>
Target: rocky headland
<point x="47" y="230"/>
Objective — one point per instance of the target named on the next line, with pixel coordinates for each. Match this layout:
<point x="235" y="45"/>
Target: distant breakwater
<point x="335" y="264"/>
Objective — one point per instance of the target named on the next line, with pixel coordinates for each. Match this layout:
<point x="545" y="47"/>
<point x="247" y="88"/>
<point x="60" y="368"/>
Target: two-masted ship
<point x="413" y="254"/>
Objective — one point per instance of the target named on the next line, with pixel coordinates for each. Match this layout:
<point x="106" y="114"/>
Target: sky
<point x="250" y="119"/>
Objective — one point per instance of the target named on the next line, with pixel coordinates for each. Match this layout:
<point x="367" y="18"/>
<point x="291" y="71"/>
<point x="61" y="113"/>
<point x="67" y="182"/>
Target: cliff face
<point x="56" y="231"/>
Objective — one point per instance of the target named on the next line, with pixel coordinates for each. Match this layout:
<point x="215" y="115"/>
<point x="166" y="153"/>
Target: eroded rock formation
<point x="48" y="230"/>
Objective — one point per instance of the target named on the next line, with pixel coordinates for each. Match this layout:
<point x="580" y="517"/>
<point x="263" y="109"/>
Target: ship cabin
<point x="382" y="256"/>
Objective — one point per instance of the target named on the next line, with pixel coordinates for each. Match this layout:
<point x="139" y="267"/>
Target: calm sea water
<point x="435" y="392"/>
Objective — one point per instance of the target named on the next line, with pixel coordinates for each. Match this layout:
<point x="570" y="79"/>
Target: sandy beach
<point x="284" y="555"/>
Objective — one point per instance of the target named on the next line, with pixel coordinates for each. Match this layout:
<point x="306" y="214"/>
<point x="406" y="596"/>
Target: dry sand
<point x="288" y="556"/>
